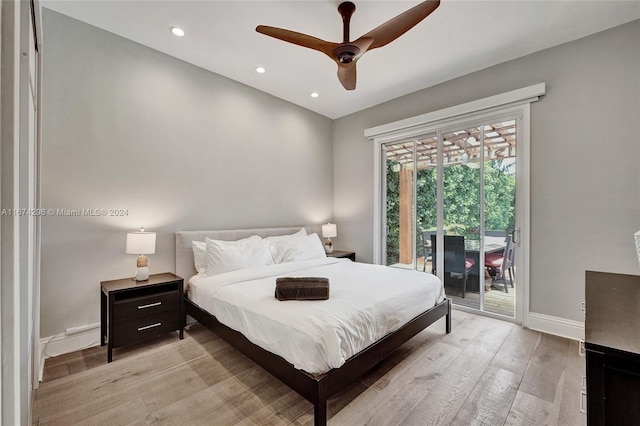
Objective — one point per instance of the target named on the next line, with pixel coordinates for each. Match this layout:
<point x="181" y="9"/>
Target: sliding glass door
<point x="455" y="188"/>
<point x="500" y="232"/>
<point x="461" y="201"/>
<point x="409" y="202"/>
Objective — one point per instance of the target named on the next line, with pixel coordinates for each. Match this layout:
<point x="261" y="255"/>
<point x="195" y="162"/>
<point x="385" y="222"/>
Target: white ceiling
<point x="458" y="38"/>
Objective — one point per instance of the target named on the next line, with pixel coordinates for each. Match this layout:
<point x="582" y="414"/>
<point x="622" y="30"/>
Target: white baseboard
<point x="557" y="326"/>
<point x="70" y="341"/>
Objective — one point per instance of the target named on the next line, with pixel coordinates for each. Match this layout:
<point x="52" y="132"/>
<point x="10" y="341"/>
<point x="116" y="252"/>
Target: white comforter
<point x="366" y="302"/>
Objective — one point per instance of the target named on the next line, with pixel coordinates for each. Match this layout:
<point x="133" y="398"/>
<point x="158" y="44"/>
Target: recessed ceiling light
<point x="315" y="95"/>
<point x="177" y="31"/>
<point x="260" y="70"/>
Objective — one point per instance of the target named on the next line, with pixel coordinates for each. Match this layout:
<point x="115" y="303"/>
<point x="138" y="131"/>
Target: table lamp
<point x="329" y="230"/>
<point x="141" y="243"/>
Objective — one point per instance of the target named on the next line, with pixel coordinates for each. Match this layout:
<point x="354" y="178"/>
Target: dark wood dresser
<point x="134" y="311"/>
<point x="612" y="344"/>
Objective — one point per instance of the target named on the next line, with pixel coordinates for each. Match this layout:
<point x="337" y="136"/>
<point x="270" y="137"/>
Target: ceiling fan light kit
<point x="347" y="53"/>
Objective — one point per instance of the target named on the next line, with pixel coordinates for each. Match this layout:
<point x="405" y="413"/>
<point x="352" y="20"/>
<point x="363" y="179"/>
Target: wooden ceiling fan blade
<point x="395" y="27"/>
<point x="347" y="75"/>
<point x="300" y="39"/>
<point x="363" y="43"/>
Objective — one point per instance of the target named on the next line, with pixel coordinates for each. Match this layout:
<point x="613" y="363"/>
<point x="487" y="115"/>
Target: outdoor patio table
<point x="472" y="248"/>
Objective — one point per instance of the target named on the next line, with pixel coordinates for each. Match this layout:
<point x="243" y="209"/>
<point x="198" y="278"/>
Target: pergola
<point x="499" y="142"/>
<point x="459" y="147"/>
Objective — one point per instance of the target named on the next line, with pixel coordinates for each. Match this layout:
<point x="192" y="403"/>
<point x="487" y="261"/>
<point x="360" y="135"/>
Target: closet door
<point x="19" y="247"/>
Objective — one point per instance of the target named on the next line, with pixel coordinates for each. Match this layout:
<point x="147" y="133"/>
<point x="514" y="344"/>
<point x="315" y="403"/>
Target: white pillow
<point x="293" y="249"/>
<point x="301" y="233"/>
<point x="225" y="256"/>
<point x="200" y="256"/>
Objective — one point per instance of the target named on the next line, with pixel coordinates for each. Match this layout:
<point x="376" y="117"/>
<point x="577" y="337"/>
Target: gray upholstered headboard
<point x="184" y="253"/>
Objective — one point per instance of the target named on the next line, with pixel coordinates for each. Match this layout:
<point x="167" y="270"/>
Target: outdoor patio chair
<point x="426" y="247"/>
<point x="501" y="265"/>
<point x="456" y="265"/>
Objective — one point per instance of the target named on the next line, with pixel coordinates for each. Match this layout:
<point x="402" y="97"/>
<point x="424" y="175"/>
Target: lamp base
<point x="142" y="274"/>
<point x="328" y="246"/>
<point x="637" y="238"/>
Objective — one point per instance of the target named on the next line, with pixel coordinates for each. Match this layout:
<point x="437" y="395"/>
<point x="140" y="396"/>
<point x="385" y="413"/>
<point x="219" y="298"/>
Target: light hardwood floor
<point x="495" y="300"/>
<point x="486" y="372"/>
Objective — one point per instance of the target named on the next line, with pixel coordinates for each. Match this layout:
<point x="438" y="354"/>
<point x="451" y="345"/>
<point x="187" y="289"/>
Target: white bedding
<point x="366" y="302"/>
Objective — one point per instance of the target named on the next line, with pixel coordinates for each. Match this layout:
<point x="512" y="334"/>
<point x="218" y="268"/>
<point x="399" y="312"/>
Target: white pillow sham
<point x="294" y="249"/>
<point x="199" y="256"/>
<point x="225" y="256"/>
<point x="300" y="234"/>
<point x="200" y="249"/>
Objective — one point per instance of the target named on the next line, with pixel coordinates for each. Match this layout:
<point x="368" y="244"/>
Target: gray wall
<point x="182" y="148"/>
<point x="585" y="152"/>
<point x="178" y="147"/>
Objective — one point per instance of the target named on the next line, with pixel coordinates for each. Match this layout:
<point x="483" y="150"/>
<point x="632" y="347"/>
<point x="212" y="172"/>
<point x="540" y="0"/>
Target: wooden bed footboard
<point x="317" y="389"/>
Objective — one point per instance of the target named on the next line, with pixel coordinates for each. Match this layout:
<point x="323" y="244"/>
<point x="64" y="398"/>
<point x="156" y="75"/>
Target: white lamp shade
<point x="329" y="230"/>
<point x="141" y="242"/>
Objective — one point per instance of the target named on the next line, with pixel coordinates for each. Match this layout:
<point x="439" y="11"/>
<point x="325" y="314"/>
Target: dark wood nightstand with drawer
<point x="133" y="311"/>
<point x="343" y="254"/>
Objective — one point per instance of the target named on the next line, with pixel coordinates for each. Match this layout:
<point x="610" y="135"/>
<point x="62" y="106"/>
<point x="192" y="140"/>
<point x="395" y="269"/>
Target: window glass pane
<point x="399" y="220"/>
<point x="461" y="215"/>
<point x="499" y="215"/>
<point x="426" y="200"/>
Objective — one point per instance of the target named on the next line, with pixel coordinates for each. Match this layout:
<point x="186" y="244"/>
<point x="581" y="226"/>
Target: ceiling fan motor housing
<point x="346" y="53"/>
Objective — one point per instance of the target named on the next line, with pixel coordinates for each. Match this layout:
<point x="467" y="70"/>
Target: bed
<point x="362" y="327"/>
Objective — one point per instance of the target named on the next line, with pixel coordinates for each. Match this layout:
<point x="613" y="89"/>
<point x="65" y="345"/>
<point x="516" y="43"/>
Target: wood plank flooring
<point x="496" y="300"/>
<point x="486" y="372"/>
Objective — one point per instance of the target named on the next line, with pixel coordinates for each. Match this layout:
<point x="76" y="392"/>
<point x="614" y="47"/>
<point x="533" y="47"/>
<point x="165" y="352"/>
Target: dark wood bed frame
<point x="317" y="389"/>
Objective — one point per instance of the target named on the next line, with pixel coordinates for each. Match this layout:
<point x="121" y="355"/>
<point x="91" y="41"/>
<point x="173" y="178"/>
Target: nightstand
<point x="133" y="311"/>
<point x="347" y="254"/>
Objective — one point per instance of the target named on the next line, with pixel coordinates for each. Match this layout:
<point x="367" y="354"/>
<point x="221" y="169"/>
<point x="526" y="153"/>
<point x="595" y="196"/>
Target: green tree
<point x="393" y="214"/>
<point x="461" y="202"/>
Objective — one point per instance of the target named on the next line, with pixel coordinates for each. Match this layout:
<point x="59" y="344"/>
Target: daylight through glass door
<point x="477" y="204"/>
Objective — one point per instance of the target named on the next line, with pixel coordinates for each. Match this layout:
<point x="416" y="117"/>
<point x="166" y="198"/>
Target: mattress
<point x="366" y="303"/>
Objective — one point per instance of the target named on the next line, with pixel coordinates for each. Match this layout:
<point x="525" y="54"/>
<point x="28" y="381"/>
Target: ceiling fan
<point x="347" y="53"/>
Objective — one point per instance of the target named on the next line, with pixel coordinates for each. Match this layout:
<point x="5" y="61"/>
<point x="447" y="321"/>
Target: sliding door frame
<point x="515" y="104"/>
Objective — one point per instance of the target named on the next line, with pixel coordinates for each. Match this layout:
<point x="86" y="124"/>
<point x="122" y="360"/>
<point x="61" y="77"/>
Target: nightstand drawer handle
<point x="146" y="327"/>
<point x="150" y="305"/>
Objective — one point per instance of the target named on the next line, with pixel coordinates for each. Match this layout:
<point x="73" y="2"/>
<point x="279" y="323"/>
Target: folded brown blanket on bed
<point x="302" y="288"/>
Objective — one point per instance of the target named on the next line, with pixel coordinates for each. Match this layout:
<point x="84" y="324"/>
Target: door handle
<point x="513" y="235"/>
